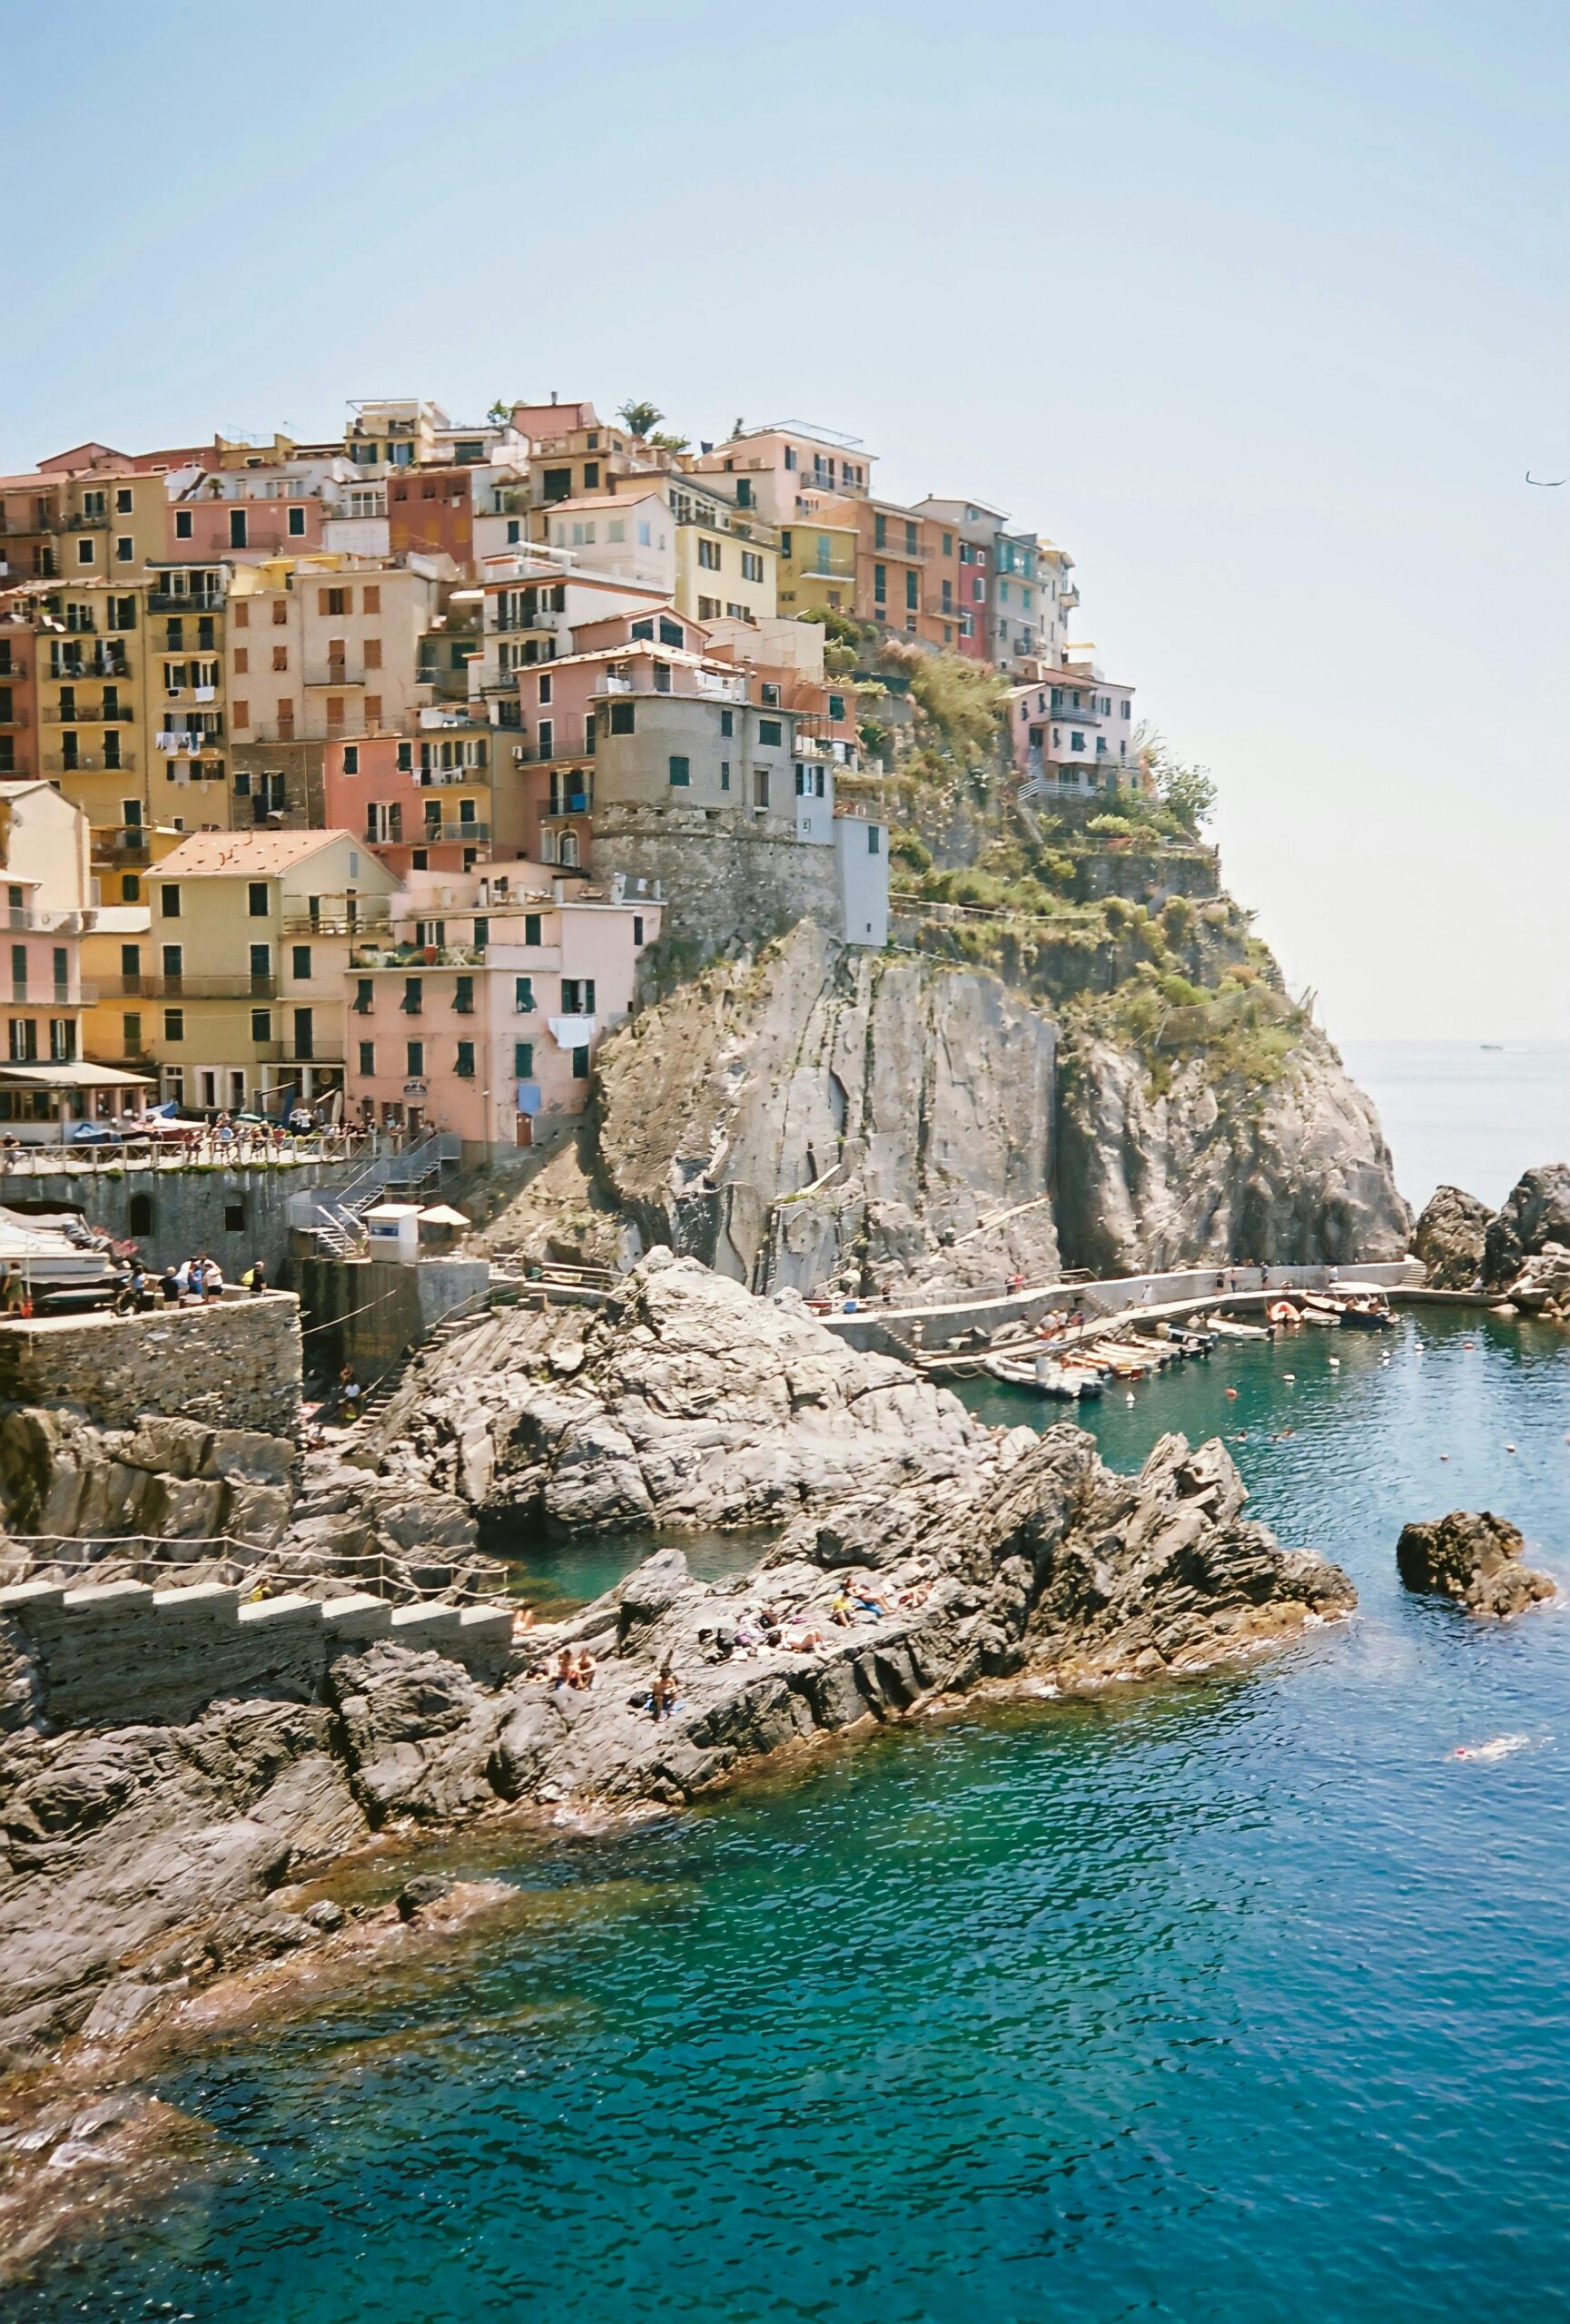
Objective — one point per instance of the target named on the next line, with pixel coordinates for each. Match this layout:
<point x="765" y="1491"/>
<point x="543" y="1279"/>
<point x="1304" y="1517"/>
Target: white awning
<point x="78" y="1075"/>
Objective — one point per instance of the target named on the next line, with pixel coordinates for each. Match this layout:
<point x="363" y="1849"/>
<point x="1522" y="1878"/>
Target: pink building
<point x="480" y="1006"/>
<point x="232" y="512"/>
<point x="421" y="802"/>
<point x="1073" y="731"/>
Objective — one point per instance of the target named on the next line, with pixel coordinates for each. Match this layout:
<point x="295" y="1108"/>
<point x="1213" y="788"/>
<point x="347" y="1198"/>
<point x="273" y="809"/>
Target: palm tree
<point x="640" y="419"/>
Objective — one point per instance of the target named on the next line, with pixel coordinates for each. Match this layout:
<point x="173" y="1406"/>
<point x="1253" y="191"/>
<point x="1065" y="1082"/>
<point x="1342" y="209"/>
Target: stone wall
<point x="366" y="1312"/>
<point x="121" y="1654"/>
<point x="236" y="1216"/>
<point x="724" y="885"/>
<point x="234" y="1363"/>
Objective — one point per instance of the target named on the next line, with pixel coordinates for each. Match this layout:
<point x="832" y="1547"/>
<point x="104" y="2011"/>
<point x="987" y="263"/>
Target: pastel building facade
<point x="242" y="987"/>
<point x="481" y="1005"/>
<point x="1073" y="730"/>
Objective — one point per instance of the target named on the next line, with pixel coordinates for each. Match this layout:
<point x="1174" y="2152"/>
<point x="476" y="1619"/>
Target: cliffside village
<point x="355" y="777"/>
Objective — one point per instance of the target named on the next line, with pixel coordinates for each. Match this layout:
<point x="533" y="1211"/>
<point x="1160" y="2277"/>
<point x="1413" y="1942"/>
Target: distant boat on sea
<point x="1490" y="1045"/>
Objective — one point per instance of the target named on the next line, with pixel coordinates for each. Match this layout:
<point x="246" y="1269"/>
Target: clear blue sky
<point x="1260" y="309"/>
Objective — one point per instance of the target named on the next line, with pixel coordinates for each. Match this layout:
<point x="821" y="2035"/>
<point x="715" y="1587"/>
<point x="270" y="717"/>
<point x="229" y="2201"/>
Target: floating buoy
<point x="1509" y="1448"/>
<point x="1232" y="1394"/>
<point x="1468" y="1343"/>
<point x="1130" y="1397"/>
<point x="1289" y="1375"/>
<point x="1335" y="1364"/>
<point x="1443" y="1456"/>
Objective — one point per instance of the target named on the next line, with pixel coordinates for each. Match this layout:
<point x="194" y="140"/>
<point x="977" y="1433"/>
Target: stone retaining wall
<point x="236" y="1216"/>
<point x="233" y="1363"/>
<point x="121" y="1654"/>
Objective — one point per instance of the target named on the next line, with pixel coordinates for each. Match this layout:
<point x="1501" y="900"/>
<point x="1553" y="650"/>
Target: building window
<point x="881" y="584"/>
<point x="465" y="1068"/>
<point x="414" y="1059"/>
<point x="531" y="927"/>
<point x="124" y="548"/>
<point x="523" y="996"/>
<point x="726" y="723"/>
<point x="770" y="733"/>
<point x="523" y="1061"/>
<point x="708" y="553"/>
<point x="724" y="775"/>
<point x="304" y="1034"/>
<point x="352" y="758"/>
<point x="637" y="929"/>
<point x="262" y="1024"/>
<point x="170" y="897"/>
<point x="367" y="1052"/>
<point x="297" y="523"/>
<point x="760" y="787"/>
<point x="621" y="721"/>
<point x="175" y="1024"/>
<point x="879" y="530"/>
<point x="279" y="612"/>
<point x="577" y="996"/>
<point x="751" y="565"/>
<point x="413" y="995"/>
<point x="183" y="524"/>
<point x="62" y="1040"/>
<point x="405" y="758"/>
<point x="332" y="601"/>
<point x="130" y="1036"/>
<point x="300" y="962"/>
<point x="580" y="1062"/>
<point x="463" y="997"/>
<point x="256" y="899"/>
<point x="680" y="772"/>
<point x="875" y="839"/>
<point x="836" y="706"/>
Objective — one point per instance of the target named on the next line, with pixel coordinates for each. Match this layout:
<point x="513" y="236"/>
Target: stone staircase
<point x="338" y="1220"/>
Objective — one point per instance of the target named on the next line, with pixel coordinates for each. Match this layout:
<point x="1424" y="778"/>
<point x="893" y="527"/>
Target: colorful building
<point x="1073" y="731"/>
<point x="249" y="944"/>
<point x="479" y="1007"/>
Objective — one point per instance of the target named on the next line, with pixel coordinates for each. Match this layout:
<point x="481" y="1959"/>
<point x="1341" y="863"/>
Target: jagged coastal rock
<point x="1535" y="1213"/>
<point x="922" y="1556"/>
<point x="1521" y="1251"/>
<point x="1475" y="1557"/>
<point x="829" y="1116"/>
<point x="685" y="1402"/>
<point x="1449" y="1237"/>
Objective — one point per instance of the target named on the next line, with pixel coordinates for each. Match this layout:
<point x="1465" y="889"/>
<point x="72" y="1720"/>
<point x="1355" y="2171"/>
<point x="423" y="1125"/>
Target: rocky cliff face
<point x="1209" y="1169"/>
<point x="831" y="1117"/>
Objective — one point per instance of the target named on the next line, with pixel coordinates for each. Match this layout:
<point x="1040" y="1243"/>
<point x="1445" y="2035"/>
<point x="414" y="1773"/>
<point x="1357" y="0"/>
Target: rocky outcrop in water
<point x="1535" y="1213"/>
<point x="824" y="1116"/>
<point x="1449" y="1237"/>
<point x="1475" y="1557"/>
<point x="923" y="1556"/>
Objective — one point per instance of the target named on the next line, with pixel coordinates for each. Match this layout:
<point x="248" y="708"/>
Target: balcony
<point x="451" y="778"/>
<point x="23" y="917"/>
<point x="87" y="713"/>
<point x="123" y="843"/>
<point x="414" y="959"/>
<point x="451" y="834"/>
<point x="16" y="716"/>
<point x="186" y="601"/>
<point x="364" y="923"/>
<point x="567" y="803"/>
<point x="90" y="763"/>
<point x="182" y="987"/>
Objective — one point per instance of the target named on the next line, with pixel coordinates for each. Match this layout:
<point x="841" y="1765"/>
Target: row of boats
<point x="1071" y="1371"/>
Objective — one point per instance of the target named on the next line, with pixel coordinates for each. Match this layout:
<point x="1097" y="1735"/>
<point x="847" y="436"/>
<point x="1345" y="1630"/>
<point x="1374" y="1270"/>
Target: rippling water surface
<point x="1243" y="1999"/>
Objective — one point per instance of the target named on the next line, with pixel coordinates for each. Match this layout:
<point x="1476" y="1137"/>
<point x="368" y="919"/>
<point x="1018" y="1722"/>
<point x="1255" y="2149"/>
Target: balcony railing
<point x="410" y="959"/>
<point x="23" y="917"/>
<point x="183" y="988"/>
<point x="86" y="713"/>
<point x="334" y="674"/>
<point x="364" y="923"/>
<point x="90" y="763"/>
<point x="448" y="834"/>
<point x="186" y="601"/>
<point x="123" y="843"/>
<point x="567" y="803"/>
<point x="16" y="716"/>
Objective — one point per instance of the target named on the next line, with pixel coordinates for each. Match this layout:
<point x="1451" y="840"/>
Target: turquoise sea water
<point x="1239" y="1999"/>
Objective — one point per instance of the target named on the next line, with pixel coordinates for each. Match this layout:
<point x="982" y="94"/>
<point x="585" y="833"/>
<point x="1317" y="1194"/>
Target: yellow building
<point x="817" y="569"/>
<point x="241" y="979"/>
<point x="93" y="676"/>
<point x="727" y="557"/>
<point x="110" y="528"/>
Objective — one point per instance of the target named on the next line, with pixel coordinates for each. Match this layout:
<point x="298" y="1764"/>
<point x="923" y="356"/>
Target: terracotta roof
<point x="255" y="855"/>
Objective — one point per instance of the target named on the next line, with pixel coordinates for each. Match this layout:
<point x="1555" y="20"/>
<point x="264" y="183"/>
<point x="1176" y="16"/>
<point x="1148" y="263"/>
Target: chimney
<point x="553" y="395"/>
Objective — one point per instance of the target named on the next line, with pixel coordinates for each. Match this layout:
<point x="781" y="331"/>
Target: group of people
<point x="194" y="1282"/>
